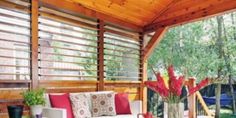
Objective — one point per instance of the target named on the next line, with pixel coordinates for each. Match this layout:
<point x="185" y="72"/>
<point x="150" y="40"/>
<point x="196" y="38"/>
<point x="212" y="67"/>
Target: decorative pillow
<point x="122" y="103"/>
<point x="62" y="101"/>
<point x="80" y="106"/>
<point x="103" y="104"/>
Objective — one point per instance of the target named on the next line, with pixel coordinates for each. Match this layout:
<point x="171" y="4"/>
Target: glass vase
<point x="173" y="110"/>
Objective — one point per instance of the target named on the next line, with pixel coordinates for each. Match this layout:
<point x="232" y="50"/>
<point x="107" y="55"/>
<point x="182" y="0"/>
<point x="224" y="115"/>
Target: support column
<point x="192" y="99"/>
<point x="34" y="44"/>
<point x="143" y="75"/>
<point x="100" y="56"/>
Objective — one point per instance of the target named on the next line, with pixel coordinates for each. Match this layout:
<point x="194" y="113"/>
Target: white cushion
<point x="80" y="107"/>
<point x="118" y="116"/>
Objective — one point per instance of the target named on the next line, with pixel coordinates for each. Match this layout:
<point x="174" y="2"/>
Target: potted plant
<point x="35" y="100"/>
<point x="171" y="91"/>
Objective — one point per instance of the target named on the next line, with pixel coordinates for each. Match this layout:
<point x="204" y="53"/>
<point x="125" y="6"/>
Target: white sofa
<point x="50" y="112"/>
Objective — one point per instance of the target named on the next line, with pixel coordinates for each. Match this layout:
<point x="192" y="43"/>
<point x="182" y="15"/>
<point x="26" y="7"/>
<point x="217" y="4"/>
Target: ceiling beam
<point x="75" y="8"/>
<point x="212" y="10"/>
<point x="156" y="38"/>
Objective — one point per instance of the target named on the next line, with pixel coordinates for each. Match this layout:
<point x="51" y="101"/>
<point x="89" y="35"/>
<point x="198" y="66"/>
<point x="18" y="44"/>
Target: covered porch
<point x="72" y="46"/>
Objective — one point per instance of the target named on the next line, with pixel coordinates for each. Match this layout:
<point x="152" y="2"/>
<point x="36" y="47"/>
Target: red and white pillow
<point x="80" y="106"/>
<point x="103" y="104"/>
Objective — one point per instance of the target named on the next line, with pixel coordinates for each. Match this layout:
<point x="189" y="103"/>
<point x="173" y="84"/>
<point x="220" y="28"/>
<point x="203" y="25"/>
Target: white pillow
<point x="103" y="104"/>
<point x="80" y="106"/>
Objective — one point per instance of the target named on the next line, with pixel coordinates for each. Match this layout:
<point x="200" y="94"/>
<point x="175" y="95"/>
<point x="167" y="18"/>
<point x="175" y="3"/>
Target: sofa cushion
<point x="80" y="107"/>
<point x="122" y="103"/>
<point x="88" y="94"/>
<point x="62" y="101"/>
<point x="103" y="104"/>
<point x="119" y="116"/>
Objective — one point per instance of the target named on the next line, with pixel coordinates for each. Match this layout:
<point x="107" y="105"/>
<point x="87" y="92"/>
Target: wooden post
<point x="34" y="44"/>
<point x="143" y="75"/>
<point x="100" y="56"/>
<point x="192" y="99"/>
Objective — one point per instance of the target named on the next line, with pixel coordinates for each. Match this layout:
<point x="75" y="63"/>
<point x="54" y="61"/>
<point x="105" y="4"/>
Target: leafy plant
<point x="34" y="97"/>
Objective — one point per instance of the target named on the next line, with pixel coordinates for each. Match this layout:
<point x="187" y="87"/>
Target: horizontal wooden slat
<point x="121" y="50"/>
<point x="135" y="38"/>
<point x="68" y="42"/>
<point x="113" y="55"/>
<point x="60" y="75"/>
<point x="13" y="6"/>
<point x="122" y="77"/>
<point x="67" y="29"/>
<point x="15" y="17"/>
<point x="65" y="35"/>
<point x="15" y="25"/>
<point x="12" y="94"/>
<point x="66" y="55"/>
<point x="120" y="45"/>
<point x="71" y="90"/>
<point x="69" y="49"/>
<point x="19" y="2"/>
<point x="68" y="69"/>
<point x="67" y="83"/>
<point x="123" y="90"/>
<point x="67" y="21"/>
<point x="14" y="81"/>
<point x="16" y="33"/>
<point x="71" y="62"/>
<point x="12" y="49"/>
<point x="20" y="66"/>
<point x="13" y="74"/>
<point x="80" y="19"/>
<point x="11" y="57"/>
<point x="22" y="42"/>
<point x="120" y="40"/>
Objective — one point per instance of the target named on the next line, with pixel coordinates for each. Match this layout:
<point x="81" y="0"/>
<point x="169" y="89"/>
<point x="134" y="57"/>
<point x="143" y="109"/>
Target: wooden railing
<point x="203" y="105"/>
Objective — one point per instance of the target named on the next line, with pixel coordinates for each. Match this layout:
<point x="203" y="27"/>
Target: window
<point x="15" y="45"/>
<point x="67" y="48"/>
<point x="121" y="55"/>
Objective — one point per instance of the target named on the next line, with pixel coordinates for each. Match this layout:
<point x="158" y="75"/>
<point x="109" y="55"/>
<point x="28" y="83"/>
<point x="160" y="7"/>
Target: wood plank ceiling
<point x="151" y="14"/>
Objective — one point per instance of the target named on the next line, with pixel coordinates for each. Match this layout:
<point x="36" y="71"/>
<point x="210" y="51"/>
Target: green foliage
<point x="196" y="50"/>
<point x="34" y="97"/>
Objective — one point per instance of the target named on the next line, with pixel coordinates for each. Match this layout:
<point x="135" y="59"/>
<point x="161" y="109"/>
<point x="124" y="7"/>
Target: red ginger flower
<point x="158" y="86"/>
<point x="175" y="85"/>
<point x="202" y="84"/>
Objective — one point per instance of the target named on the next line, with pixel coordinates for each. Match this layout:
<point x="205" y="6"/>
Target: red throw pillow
<point x="122" y="103"/>
<point x="62" y="101"/>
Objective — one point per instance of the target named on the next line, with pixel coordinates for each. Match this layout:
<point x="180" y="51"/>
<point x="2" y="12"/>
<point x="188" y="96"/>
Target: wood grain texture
<point x="34" y="43"/>
<point x="190" y="14"/>
<point x="76" y="8"/>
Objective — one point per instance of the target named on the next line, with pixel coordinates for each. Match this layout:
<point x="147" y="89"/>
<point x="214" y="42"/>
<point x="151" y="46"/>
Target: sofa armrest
<point x="54" y="112"/>
<point x="136" y="107"/>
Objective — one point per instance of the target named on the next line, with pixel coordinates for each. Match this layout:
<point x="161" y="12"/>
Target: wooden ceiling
<point x="151" y="14"/>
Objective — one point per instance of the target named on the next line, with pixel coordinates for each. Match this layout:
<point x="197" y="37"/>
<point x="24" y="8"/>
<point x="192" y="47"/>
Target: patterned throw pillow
<point x="80" y="107"/>
<point x="103" y="104"/>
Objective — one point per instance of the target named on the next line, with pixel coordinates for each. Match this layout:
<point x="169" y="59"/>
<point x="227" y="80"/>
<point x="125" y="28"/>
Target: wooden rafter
<point x="156" y="38"/>
<point x="212" y="10"/>
<point x="172" y="3"/>
<point x="75" y="8"/>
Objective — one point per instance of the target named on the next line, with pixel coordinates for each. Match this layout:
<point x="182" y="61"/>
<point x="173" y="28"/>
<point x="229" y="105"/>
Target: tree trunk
<point x="230" y="76"/>
<point x="219" y="44"/>
<point x="218" y="93"/>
